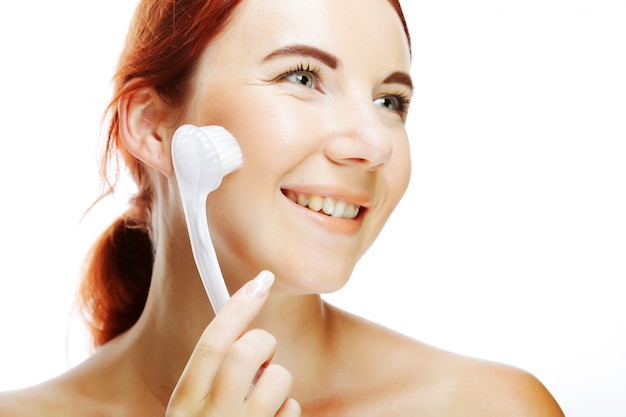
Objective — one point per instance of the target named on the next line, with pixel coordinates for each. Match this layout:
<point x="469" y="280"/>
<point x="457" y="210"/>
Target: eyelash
<point x="314" y="71"/>
<point x="403" y="100"/>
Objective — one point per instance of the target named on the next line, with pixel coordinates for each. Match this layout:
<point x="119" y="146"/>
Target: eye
<point x="303" y="75"/>
<point x="396" y="102"/>
<point x="391" y="103"/>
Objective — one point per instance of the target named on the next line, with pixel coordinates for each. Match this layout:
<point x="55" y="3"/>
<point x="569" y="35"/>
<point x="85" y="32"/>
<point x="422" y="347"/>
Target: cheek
<point x="395" y="182"/>
<point x="400" y="166"/>
<point x="259" y="119"/>
<point x="242" y="211"/>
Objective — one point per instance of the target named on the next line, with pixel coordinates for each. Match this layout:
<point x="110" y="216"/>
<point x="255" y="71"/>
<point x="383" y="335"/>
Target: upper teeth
<point x="330" y="206"/>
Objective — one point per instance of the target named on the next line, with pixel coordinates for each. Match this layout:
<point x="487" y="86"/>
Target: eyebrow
<point x="304" y="50"/>
<point x="399" y="77"/>
<point x="332" y="61"/>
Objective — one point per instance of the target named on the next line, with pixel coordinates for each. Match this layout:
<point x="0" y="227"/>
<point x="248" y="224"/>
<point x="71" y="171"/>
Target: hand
<point x="229" y="373"/>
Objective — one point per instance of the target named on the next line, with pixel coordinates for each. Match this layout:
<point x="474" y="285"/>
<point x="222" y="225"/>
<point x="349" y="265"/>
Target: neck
<point x="177" y="311"/>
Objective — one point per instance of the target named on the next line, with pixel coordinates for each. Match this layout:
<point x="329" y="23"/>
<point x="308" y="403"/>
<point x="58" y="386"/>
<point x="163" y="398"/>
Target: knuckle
<point x="241" y="353"/>
<point x="211" y="344"/>
<point x="291" y="408"/>
<point x="262" y="337"/>
<point x="255" y="344"/>
<point x="279" y="375"/>
<point x="210" y="348"/>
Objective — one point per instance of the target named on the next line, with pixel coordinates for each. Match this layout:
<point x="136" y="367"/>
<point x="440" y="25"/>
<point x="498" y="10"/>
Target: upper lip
<point x="351" y="196"/>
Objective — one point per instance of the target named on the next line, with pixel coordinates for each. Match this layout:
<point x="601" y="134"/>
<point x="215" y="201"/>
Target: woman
<point x="316" y="94"/>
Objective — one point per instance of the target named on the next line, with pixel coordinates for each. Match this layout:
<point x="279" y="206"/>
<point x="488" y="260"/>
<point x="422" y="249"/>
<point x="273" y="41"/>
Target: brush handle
<point x="204" y="254"/>
<point x="201" y="157"/>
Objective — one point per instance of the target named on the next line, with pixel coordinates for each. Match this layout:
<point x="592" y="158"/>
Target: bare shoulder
<point x="12" y="404"/>
<point x="494" y="389"/>
<point x="33" y="401"/>
<point x="466" y="386"/>
<point x="424" y="380"/>
<point x="63" y="396"/>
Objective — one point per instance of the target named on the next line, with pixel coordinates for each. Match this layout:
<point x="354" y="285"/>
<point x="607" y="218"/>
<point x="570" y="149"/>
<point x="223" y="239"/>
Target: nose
<point x="359" y="137"/>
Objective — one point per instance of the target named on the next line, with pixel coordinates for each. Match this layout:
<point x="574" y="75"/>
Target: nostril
<point x="365" y="148"/>
<point x="346" y="161"/>
<point x="376" y="167"/>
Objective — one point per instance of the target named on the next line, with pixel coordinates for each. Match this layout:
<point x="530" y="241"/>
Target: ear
<point x="142" y="130"/>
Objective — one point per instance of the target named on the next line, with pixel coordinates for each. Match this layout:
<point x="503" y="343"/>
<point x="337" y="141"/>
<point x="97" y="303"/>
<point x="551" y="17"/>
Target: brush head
<point x="202" y="156"/>
<point x="226" y="146"/>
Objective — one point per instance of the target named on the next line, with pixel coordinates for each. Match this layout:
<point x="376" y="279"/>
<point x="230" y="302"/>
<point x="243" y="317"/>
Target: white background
<point x="511" y="241"/>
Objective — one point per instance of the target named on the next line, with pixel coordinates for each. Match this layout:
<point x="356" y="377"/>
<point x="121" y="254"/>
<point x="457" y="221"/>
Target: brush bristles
<point x="227" y="148"/>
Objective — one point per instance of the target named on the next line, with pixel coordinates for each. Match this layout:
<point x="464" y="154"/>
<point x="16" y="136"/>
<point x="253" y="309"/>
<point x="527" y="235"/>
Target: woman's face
<point x="315" y="93"/>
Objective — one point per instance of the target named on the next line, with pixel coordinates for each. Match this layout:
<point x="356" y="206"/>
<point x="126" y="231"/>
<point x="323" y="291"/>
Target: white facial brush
<point x="202" y="156"/>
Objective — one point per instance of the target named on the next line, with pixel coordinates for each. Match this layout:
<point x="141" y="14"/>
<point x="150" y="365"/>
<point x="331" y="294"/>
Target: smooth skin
<point x="226" y="357"/>
<point x="307" y="124"/>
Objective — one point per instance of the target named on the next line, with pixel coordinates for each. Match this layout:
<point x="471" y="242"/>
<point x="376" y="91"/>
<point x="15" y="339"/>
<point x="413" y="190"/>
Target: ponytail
<point x="117" y="277"/>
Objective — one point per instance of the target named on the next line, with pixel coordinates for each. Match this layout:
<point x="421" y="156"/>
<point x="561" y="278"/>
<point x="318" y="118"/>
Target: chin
<point x="305" y="282"/>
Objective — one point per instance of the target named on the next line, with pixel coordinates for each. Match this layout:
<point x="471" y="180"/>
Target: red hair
<point x="164" y="42"/>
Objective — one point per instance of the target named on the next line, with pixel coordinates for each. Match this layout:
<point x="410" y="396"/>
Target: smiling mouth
<point x="322" y="204"/>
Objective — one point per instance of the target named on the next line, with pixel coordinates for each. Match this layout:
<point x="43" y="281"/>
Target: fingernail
<point x="260" y="285"/>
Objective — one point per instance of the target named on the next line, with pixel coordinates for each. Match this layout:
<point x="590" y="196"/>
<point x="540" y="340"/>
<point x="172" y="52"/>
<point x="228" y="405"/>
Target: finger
<point x="270" y="392"/>
<point x="220" y="334"/>
<point x="242" y="363"/>
<point x="290" y="408"/>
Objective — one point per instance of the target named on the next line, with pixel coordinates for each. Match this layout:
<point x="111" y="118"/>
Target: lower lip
<point x="332" y="224"/>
